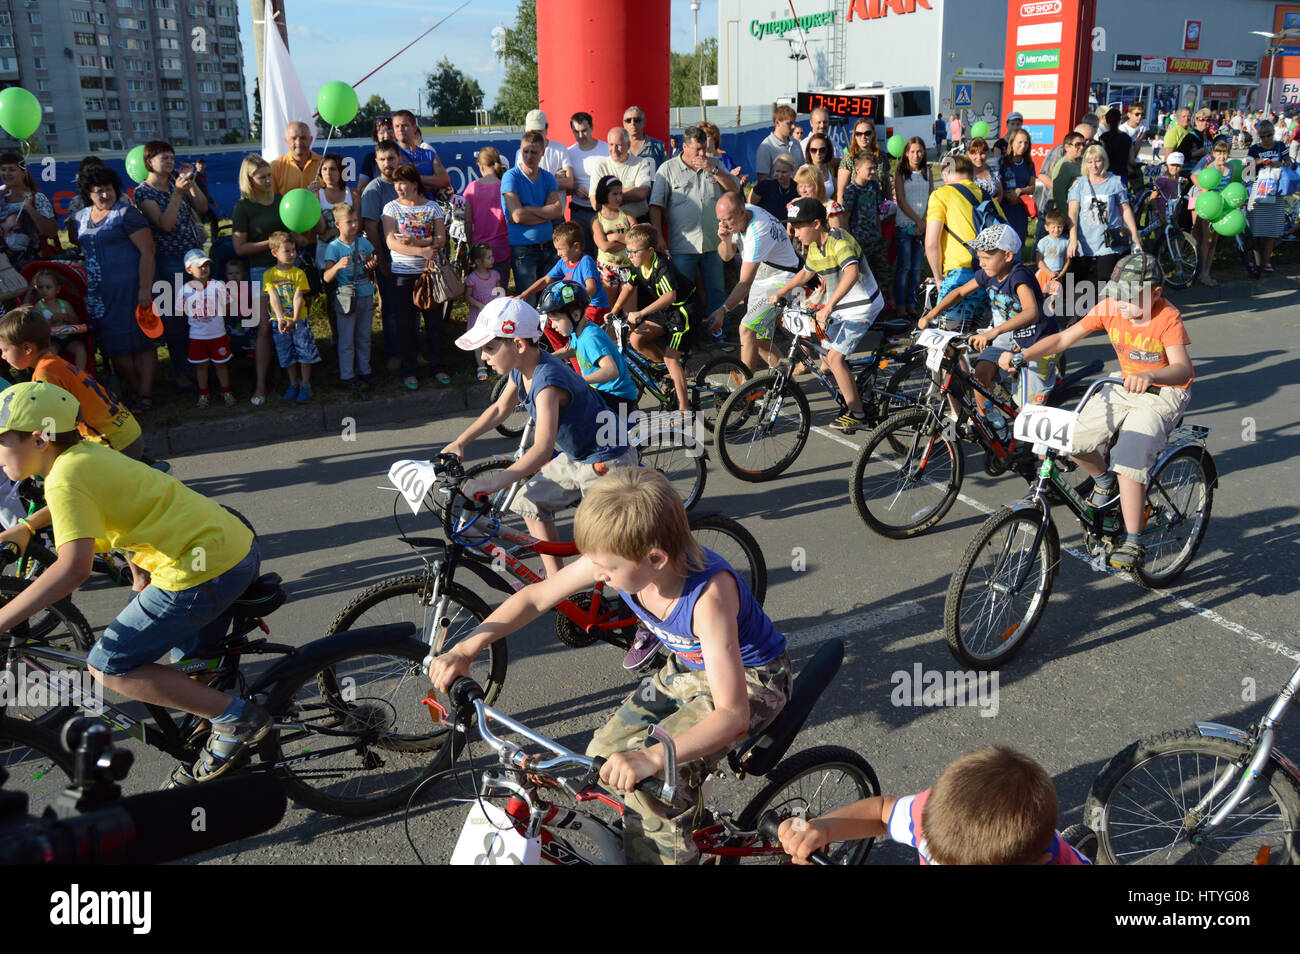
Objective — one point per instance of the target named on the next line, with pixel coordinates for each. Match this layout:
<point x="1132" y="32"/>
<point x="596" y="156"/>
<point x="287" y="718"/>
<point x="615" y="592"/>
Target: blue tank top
<point x="585" y="434"/>
<point x="760" y="642"/>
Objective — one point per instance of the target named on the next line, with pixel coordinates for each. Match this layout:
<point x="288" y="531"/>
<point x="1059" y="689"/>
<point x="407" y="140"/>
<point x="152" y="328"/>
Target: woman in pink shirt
<point x="485" y="221"/>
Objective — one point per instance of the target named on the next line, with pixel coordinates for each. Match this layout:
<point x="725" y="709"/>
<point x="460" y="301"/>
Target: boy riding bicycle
<point x="200" y="558"/>
<point x="727" y="677"/>
<point x="1151" y="343"/>
<point x="568" y="415"/>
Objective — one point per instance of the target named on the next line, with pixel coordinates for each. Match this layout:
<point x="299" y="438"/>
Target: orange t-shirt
<point x="1140" y="349"/>
<point x="102" y="418"/>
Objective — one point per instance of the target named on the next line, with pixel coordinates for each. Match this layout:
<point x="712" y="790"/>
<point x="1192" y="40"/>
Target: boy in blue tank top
<point x="727" y="676"/>
<point x="568" y="415"/>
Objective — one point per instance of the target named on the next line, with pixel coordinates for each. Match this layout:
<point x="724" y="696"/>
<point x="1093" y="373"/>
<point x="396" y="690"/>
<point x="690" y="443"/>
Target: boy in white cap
<point x="569" y="414"/>
<point x="206" y="302"/>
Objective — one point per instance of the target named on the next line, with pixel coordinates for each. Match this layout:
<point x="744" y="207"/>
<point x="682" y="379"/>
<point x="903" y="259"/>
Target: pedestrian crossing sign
<point x="962" y="94"/>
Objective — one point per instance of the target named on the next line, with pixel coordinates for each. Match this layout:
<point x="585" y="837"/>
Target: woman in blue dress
<point x="1018" y="176"/>
<point x="119" y="266"/>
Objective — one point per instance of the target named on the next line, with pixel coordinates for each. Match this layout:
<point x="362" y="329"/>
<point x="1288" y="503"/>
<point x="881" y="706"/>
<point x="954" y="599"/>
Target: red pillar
<point x="600" y="57"/>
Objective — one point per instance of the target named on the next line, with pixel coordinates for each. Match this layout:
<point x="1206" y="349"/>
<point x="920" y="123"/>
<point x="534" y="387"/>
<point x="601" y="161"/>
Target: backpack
<point x="986" y="213"/>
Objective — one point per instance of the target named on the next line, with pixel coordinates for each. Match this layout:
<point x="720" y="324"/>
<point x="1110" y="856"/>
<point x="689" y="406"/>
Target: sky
<point x="346" y="39"/>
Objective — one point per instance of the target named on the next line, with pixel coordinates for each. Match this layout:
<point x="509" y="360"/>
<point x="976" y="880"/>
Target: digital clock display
<point x="843" y="104"/>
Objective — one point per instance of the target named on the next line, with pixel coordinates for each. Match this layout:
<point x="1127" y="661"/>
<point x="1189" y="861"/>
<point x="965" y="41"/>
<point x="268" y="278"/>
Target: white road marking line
<point x="855" y="625"/>
<point x="1282" y="649"/>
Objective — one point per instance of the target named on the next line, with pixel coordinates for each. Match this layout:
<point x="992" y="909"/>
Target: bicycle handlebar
<point x="769" y="824"/>
<point x="450" y="474"/>
<point x="1101" y="382"/>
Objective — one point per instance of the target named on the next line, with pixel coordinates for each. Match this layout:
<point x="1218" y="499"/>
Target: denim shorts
<point x="971" y="310"/>
<point x="156" y="621"/>
<point x="846" y="333"/>
<point x="295" y="346"/>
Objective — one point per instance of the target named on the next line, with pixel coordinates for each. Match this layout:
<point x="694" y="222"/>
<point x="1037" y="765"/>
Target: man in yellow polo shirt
<point x="299" y="167"/>
<point x="199" y="555"/>
<point x="949" y="226"/>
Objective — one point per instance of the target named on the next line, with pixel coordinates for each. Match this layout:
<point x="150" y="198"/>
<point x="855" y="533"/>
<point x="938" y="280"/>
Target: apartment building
<point x="111" y="74"/>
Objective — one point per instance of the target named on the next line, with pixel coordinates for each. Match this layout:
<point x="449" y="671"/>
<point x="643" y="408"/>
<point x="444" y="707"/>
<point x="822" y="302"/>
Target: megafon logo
<point x="1046" y="8"/>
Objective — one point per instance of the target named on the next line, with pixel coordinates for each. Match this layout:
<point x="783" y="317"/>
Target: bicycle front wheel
<point x="808" y="785"/>
<point x="729" y="540"/>
<point x="1179" y="499"/>
<point x="352" y="736"/>
<point x="1147" y="806"/>
<point x="1178" y="258"/>
<point x="762" y="427"/>
<point x="907" y="475"/>
<point x="36" y="761"/>
<point x="676" y="453"/>
<point x="714" y="383"/>
<point x="59" y="624"/>
<point x="987" y="616"/>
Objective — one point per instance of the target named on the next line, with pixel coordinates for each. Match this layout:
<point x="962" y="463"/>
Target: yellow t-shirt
<point x="950" y="207"/>
<point x="181" y="537"/>
<point x="285" y="283"/>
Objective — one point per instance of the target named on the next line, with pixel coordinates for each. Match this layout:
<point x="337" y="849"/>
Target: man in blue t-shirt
<point x="407" y="132"/>
<point x="570" y="417"/>
<point x="533" y="203"/>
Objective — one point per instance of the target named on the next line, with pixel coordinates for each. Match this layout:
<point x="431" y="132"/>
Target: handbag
<point x="436" y="284"/>
<point x="1031" y="207"/>
<point x="12" y="283"/>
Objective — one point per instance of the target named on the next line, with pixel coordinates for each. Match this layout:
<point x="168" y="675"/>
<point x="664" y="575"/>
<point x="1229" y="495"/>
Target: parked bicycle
<point x="445" y="611"/>
<point x="1164" y="237"/>
<point x="514" y="821"/>
<point x="1211" y="794"/>
<point x="909" y="473"/>
<point x="1001" y="586"/>
<point x="764" y="424"/>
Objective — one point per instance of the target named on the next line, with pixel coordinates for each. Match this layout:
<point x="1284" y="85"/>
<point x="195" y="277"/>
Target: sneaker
<point x="228" y="399"/>
<point x="203" y="402"/>
<point x="304" y="393"/>
<point x="1103" y="497"/>
<point x="228" y="742"/>
<point x="291" y="393"/>
<point x="644" y="647"/>
<point x="181" y="777"/>
<point x="847" y="423"/>
<point x="1128" y="556"/>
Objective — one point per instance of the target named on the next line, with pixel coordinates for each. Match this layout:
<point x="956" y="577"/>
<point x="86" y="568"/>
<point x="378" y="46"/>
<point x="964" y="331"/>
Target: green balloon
<point x="299" y="210"/>
<point x="896" y="145"/>
<point x="337" y="103"/>
<point x="1235" y="195"/>
<point x="1230" y="224"/>
<point x="1209" y="178"/>
<point x="20" y="112"/>
<point x="1209" y="205"/>
<point x="135" y="167"/>
<point x="1235" y="166"/>
<point x="980" y="130"/>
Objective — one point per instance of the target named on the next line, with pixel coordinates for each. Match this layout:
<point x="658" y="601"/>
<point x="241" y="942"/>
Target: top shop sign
<point x="1045" y="8"/>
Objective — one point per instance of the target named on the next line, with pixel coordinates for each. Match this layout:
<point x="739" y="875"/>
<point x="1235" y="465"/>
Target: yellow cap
<point x="38" y="406"/>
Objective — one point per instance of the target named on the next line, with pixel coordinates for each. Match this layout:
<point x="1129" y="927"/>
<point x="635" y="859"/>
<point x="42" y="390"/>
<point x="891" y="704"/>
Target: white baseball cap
<point x="536" y="119"/>
<point x="997" y="237"/>
<point x="194" y="256"/>
<point x="1175" y="159"/>
<point x="502" y="318"/>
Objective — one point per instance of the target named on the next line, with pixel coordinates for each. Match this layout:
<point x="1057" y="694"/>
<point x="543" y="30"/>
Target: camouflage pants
<point x="677" y="698"/>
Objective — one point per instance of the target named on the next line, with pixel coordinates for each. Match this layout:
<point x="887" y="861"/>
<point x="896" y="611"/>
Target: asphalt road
<point x="1109" y="662"/>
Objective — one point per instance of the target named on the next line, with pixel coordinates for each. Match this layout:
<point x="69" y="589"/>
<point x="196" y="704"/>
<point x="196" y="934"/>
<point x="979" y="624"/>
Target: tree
<point x="233" y="137"/>
<point x="453" y="96"/>
<point x="518" y="54"/>
<point x="257" y="108"/>
<point x="363" y="124"/>
<point x="686" y="70"/>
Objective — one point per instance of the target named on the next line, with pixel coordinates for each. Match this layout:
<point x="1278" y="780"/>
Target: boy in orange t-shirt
<point x="25" y="343"/>
<point x="1151" y="344"/>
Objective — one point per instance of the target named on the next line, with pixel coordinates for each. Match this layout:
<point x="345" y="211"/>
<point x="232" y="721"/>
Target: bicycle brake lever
<point x="437" y="711"/>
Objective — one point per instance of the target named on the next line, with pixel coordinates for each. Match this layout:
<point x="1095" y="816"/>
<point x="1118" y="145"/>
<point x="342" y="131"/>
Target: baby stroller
<point x="74" y="292"/>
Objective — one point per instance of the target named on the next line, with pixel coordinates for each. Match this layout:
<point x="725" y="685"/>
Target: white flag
<point x="283" y="101"/>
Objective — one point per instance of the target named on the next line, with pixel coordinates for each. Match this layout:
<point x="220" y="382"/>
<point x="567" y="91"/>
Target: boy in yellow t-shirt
<point x="200" y="556"/>
<point x="25" y="344"/>
<point x="286" y="287"/>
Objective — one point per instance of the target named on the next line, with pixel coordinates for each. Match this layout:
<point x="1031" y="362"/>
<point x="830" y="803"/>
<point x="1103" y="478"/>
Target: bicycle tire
<point x="330" y="695"/>
<point x="741" y="550"/>
<point x="714" y="383"/>
<point x="903" y="493"/>
<point x="1139" y="804"/>
<point x="1186" y="498"/>
<point x="60" y="624"/>
<point x="675" y="453"/>
<point x="820" y="764"/>
<point x="992" y="645"/>
<point x="512" y="426"/>
<point x="742" y="427"/>
<point x="36" y="761"/>
<point x="1179" y="259"/>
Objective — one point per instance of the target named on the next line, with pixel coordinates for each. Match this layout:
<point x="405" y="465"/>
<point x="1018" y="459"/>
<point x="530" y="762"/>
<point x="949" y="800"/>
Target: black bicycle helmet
<point x="562" y="296"/>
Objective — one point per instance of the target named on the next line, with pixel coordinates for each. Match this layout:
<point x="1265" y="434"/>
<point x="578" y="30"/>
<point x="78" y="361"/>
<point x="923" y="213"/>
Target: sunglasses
<point x="633" y="119"/>
<point x="863" y="132"/>
<point x="818" y="152"/>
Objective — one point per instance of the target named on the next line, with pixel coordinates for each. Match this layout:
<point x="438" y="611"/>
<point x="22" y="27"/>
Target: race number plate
<point x="489" y="837"/>
<point x="797" y="323"/>
<point x="412" y="478"/>
<point x="1046" y="427"/>
<point x="935" y="341"/>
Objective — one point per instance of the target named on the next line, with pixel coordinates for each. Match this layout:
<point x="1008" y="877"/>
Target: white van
<point x="903" y="110"/>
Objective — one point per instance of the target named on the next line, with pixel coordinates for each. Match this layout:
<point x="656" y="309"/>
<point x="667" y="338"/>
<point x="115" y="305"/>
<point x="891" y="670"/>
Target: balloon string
<point x="325" y="150"/>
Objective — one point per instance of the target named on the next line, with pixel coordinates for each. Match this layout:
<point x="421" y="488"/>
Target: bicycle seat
<point x="262" y="598"/>
<point x="894" y="326"/>
<point x="760" y="753"/>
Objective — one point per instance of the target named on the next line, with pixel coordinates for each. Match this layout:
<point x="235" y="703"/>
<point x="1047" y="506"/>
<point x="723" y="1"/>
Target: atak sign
<point x="875" y="9"/>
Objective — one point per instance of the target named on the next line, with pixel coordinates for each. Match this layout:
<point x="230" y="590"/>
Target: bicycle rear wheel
<point x="513" y="425"/>
<point x="676" y="453"/>
<point x="907" y="476"/>
<point x="1142" y="803"/>
<point x="1179" y="500"/>
<point x="36" y="761"/>
<point x="714" y="383"/>
<point x="1178" y="258"/>
<point x="729" y="540"/>
<point x="384" y="742"/>
<point x="762" y="427"/>
<point x="985" y="619"/>
<point x="810" y="784"/>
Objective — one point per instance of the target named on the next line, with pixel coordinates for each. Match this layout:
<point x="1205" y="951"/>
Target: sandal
<point x="481" y="374"/>
<point x="1128" y="556"/>
<point x="443" y="378"/>
<point x="140" y="405"/>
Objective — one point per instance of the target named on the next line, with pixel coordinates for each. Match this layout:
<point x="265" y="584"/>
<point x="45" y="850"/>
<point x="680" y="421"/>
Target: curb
<point x="260" y="427"/>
